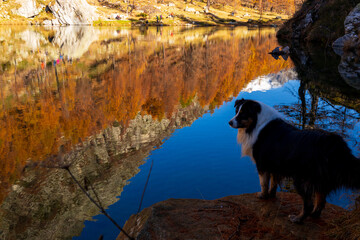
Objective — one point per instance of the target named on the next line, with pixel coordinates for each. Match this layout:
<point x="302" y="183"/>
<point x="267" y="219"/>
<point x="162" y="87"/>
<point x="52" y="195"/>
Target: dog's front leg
<point x="264" y="184"/>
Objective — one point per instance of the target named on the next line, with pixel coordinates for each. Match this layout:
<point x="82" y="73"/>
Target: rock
<point x="55" y="22"/>
<point x="234" y="217"/>
<point x="47" y="22"/>
<point x="75" y="41"/>
<point x="352" y="29"/>
<point x="338" y="44"/>
<point x="206" y="9"/>
<point x="28" y="8"/>
<point x="352" y="21"/>
<point x="189" y="9"/>
<point x="73" y="12"/>
<point x="349" y="69"/>
<point x="308" y="20"/>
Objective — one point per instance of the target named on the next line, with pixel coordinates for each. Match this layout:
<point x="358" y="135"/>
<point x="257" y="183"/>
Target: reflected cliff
<point x="99" y="101"/>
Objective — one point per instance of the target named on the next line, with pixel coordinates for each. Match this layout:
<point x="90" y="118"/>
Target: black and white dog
<point x="319" y="162"/>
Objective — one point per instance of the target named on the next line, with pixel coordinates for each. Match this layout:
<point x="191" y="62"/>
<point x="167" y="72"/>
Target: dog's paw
<point x="272" y="195"/>
<point x="262" y="195"/>
<point x="315" y="215"/>
<point x="296" y="219"/>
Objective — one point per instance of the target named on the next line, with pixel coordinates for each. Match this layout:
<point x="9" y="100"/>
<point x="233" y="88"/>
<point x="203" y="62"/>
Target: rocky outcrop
<point x="317" y="21"/>
<point x="352" y="30"/>
<point x="234" y="217"/>
<point x="28" y="8"/>
<point x="348" y="46"/>
<point x="73" y="12"/>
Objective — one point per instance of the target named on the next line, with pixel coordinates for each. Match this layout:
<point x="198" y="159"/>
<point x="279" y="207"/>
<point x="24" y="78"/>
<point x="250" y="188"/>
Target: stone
<point x="352" y="30"/>
<point x="349" y="69"/>
<point x="73" y="12"/>
<point x="28" y="8"/>
<point x="233" y="217"/>
<point x="47" y="22"/>
<point x="187" y="9"/>
<point x="338" y="44"/>
<point x="75" y="41"/>
<point x="55" y="22"/>
<point x="351" y="22"/>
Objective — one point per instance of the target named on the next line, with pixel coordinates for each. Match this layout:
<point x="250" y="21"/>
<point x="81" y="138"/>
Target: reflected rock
<point x="75" y="41"/>
<point x="271" y="81"/>
<point x="32" y="39"/>
<point x="47" y="204"/>
<point x="349" y="69"/>
<point x="73" y="12"/>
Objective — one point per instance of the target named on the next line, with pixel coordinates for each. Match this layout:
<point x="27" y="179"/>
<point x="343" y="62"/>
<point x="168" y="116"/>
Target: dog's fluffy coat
<point x="319" y="162"/>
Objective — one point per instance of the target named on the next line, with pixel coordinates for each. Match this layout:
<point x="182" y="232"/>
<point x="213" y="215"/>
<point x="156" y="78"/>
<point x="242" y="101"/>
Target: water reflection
<point x="100" y="100"/>
<point x="326" y="99"/>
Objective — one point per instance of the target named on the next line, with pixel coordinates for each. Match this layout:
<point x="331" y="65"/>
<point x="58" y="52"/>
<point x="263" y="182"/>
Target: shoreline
<point x="254" y="23"/>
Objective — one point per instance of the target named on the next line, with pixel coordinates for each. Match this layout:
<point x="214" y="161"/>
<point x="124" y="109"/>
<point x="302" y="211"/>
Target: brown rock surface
<point x="233" y="217"/>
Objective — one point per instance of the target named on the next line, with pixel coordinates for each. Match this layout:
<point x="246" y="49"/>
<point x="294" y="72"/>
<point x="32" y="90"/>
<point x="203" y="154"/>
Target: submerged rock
<point x="73" y="12"/>
<point x="234" y="217"/>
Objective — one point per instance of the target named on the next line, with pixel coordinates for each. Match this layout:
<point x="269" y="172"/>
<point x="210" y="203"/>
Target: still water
<point x="112" y="103"/>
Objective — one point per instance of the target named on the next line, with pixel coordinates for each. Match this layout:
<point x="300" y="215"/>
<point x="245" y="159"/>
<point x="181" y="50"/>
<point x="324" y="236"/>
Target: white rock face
<point x="28" y="8"/>
<point x="73" y="12"/>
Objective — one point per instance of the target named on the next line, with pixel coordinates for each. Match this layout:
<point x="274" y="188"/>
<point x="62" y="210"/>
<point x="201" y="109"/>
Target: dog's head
<point x="246" y="114"/>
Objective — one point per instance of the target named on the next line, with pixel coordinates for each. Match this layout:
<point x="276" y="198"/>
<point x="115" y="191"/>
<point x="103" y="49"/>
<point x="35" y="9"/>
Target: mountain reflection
<point x="105" y="97"/>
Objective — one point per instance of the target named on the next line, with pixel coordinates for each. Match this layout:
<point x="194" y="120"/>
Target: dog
<point x="319" y="162"/>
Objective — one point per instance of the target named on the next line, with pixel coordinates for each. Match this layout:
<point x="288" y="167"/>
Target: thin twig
<point x="96" y="204"/>
<point x="147" y="180"/>
<point x="237" y="230"/>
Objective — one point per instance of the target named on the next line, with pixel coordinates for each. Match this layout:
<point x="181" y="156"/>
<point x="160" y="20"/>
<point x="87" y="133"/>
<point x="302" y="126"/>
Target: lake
<point x="140" y="115"/>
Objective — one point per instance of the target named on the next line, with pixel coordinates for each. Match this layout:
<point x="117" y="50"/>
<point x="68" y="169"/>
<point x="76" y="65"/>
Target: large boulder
<point x="71" y="12"/>
<point x="348" y="47"/>
<point x="234" y="217"/>
<point x="28" y="8"/>
<point x="352" y="30"/>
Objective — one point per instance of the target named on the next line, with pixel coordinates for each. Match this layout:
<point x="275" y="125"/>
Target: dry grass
<point x="347" y="227"/>
<point x="220" y="15"/>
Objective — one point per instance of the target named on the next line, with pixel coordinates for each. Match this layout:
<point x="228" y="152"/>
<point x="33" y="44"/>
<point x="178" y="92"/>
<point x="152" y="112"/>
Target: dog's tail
<point x="345" y="167"/>
<point x="350" y="172"/>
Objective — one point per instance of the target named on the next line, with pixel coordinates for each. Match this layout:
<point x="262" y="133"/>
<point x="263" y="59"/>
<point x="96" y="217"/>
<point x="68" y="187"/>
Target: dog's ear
<point x="239" y="101"/>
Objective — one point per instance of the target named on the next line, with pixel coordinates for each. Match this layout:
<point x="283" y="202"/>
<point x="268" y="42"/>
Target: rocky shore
<point x="233" y="217"/>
